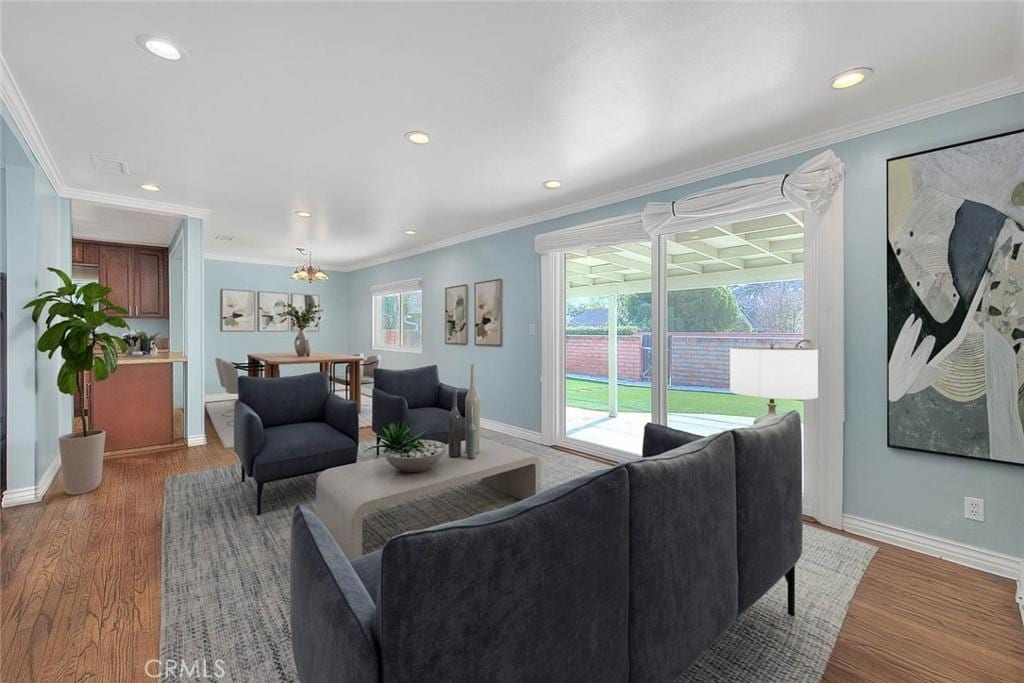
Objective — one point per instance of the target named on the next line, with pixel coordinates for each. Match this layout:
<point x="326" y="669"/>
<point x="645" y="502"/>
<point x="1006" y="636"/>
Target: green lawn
<point x="581" y="393"/>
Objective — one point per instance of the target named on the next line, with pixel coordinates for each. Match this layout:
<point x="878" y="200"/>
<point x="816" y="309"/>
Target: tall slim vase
<point x="472" y="418"/>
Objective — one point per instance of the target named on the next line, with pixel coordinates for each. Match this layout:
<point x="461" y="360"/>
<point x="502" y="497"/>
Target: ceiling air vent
<point x="223" y="238"/>
<point x="109" y="165"/>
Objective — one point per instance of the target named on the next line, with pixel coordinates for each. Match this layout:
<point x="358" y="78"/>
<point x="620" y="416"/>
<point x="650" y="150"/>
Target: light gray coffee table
<point x="344" y="495"/>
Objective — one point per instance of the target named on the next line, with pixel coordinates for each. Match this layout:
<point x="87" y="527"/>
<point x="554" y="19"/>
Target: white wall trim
<point x="17" y="106"/>
<point x="14" y="101"/>
<point x="512" y="430"/>
<point x="264" y="261"/>
<point x="1020" y="592"/>
<point x="195" y="440"/>
<point x="32" y="494"/>
<point x="986" y="92"/>
<point x="971" y="556"/>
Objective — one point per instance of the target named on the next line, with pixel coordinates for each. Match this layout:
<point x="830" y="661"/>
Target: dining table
<point x="271" y="365"/>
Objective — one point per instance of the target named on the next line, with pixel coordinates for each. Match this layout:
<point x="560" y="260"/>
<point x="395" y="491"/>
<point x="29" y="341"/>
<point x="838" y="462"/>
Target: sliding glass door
<point x="607" y="345"/>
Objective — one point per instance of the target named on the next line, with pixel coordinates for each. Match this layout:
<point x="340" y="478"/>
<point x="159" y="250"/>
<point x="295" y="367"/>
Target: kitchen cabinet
<point x="137" y="275"/>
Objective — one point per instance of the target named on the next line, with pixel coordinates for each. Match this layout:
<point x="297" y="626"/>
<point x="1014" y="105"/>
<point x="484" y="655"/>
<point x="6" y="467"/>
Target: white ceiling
<point x="117" y="224"/>
<point x="289" y="106"/>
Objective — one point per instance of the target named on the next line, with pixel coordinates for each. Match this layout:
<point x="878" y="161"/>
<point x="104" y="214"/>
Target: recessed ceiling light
<point x="851" y="77"/>
<point x="150" y="187"/>
<point x="303" y="214"/>
<point x="552" y="184"/>
<point x="417" y="137"/>
<point x="161" y="47"/>
<point x="410" y="232"/>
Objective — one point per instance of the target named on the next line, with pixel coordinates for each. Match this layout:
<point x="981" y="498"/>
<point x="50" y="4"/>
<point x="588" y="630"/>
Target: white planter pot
<point x="81" y="461"/>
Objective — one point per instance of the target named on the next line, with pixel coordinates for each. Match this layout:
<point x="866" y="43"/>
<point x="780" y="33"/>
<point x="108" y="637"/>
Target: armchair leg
<point x="259" y="496"/>
<point x="791" y="590"/>
<point x="242" y="467"/>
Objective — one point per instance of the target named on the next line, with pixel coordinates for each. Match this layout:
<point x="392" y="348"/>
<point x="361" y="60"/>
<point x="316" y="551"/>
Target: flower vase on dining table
<point x="301" y="344"/>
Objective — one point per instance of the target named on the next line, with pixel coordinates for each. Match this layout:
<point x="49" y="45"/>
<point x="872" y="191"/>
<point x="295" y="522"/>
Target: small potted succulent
<point x="302" y="318"/>
<point x="76" y="316"/>
<point x="407" y="452"/>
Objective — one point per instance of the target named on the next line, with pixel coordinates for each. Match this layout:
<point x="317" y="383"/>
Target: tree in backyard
<point x="713" y="309"/>
<point x="772" y="307"/>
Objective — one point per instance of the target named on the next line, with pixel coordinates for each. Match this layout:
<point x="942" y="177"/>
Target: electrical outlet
<point x="974" y="509"/>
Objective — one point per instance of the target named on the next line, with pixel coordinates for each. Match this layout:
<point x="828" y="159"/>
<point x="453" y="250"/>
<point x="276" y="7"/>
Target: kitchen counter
<point x="160" y="357"/>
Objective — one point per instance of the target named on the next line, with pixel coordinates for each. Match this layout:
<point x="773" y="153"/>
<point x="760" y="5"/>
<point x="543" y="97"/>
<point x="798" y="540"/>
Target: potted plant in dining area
<point x="75" y="317"/>
<point x="302" y="318"/>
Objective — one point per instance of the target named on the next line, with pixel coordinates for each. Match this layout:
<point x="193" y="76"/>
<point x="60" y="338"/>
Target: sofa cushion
<point x="769" y="503"/>
<point x="682" y="555"/>
<point x="285" y="400"/>
<point x="331" y="610"/>
<point x="293" y="449"/>
<point x="418" y="386"/>
<point x="368" y="569"/>
<point x="659" y="439"/>
<point x="516" y="594"/>
<point x="431" y="423"/>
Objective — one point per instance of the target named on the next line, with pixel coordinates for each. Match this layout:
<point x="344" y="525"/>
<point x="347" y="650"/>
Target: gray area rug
<point x="225" y="577"/>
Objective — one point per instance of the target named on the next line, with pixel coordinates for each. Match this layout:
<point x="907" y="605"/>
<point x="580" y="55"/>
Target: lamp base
<point x="770" y="414"/>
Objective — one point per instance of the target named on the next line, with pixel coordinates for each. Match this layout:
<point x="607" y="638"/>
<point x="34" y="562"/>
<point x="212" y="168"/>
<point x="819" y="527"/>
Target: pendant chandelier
<point x="308" y="271"/>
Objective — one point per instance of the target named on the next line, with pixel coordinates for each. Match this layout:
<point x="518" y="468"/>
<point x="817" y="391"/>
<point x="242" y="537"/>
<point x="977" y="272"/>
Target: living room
<point x="470" y="327"/>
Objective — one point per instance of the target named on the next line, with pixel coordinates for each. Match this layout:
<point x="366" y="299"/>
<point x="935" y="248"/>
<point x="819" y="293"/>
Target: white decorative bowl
<point x="419" y="460"/>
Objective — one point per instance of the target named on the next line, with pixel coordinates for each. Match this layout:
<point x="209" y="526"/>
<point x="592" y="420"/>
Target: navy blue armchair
<point x="416" y="398"/>
<point x="290" y="426"/>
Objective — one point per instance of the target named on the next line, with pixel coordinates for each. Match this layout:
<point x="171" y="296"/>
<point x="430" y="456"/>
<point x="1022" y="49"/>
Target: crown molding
<point x="136" y="203"/>
<point x="987" y="92"/>
<point x="17" y="107"/>
<point x="255" y="260"/>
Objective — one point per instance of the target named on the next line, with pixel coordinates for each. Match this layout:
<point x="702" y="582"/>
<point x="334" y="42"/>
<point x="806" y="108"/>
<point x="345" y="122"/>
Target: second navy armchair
<point x="416" y="398"/>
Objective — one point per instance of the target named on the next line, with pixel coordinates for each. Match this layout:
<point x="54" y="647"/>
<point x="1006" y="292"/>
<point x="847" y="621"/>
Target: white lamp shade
<point x="774" y="373"/>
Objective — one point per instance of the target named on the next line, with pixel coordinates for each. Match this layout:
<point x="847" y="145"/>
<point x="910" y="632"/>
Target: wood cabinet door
<point x="77" y="251"/>
<point x="150" y="269"/>
<point x="116" y="273"/>
<point x="134" y="406"/>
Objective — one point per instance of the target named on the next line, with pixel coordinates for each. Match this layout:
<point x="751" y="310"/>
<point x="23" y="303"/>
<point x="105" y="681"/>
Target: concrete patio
<point x="625" y="431"/>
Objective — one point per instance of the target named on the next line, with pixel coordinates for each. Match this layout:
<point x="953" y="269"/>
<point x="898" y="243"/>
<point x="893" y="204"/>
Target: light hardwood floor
<point x="80" y="592"/>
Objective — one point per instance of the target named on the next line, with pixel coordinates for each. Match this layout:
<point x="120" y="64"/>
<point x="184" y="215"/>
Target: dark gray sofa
<point x="626" y="574"/>
<point x="289" y="426"/>
<point x="417" y="398"/>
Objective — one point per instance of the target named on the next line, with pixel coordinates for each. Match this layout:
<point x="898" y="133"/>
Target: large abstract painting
<point x="456" y="324"/>
<point x="487" y="321"/>
<point x="237" y="310"/>
<point x="956" y="299"/>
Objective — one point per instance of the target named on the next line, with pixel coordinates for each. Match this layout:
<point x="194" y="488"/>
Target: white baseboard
<point x="195" y="440"/>
<point x="1020" y="592"/>
<point x="32" y="494"/>
<point x="971" y="556"/>
<point x="512" y="430"/>
<point x="217" y="398"/>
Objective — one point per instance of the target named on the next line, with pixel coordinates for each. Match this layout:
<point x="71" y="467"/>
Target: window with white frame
<point x="398" y="316"/>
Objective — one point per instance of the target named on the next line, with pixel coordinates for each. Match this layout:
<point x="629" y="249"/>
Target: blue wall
<point x="233" y="346"/>
<point x="36" y="233"/>
<point x="914" y="490"/>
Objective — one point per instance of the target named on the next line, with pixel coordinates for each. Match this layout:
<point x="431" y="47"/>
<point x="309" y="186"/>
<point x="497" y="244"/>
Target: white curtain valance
<point x="811" y="187"/>
<point x="397" y="287"/>
<point x="628" y="228"/>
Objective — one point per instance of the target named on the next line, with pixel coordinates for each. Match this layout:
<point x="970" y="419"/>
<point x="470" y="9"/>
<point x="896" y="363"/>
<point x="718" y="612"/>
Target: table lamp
<point x="774" y="373"/>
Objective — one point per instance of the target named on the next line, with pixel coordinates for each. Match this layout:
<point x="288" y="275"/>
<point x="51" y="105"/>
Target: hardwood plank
<point x="80" y="591"/>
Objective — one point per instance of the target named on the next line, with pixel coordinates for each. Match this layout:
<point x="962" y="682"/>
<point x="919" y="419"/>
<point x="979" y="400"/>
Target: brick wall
<point x="695" y="359"/>
<point x="588" y="355"/>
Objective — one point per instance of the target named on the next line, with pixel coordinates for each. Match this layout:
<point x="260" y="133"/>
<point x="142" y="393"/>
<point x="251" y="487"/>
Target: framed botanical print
<point x="487" y="316"/>
<point x="300" y="301"/>
<point x="237" y="310"/>
<point x="456" y="314"/>
<point x="270" y="313"/>
<point x="955" y="296"/>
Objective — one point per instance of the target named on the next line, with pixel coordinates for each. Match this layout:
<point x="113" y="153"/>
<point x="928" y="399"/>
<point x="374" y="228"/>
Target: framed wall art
<point x="955" y="295"/>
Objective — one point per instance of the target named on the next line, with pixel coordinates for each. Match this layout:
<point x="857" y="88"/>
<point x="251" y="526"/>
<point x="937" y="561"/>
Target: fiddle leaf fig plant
<point x="75" y="316"/>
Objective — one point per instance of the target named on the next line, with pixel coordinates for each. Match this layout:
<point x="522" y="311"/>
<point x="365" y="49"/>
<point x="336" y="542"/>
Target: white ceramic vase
<point x="81" y="461"/>
<point x="301" y="344"/>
